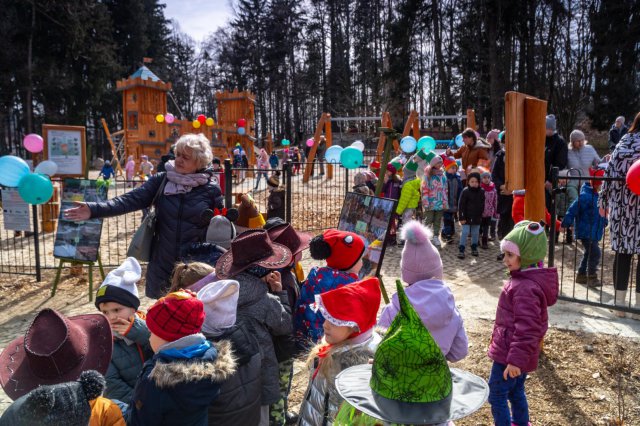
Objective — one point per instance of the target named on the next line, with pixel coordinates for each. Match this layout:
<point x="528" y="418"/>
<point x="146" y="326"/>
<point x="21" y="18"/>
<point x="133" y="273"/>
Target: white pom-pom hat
<point x="420" y="259"/>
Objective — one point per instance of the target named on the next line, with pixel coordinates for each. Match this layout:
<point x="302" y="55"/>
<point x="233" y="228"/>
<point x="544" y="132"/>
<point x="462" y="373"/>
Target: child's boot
<point x="568" y="237"/>
<point x="621" y="296"/>
<point x="593" y="281"/>
<point x="436" y="241"/>
<point x="581" y="278"/>
<point x="474" y="250"/>
<point x="461" y="252"/>
<point x="485" y="244"/>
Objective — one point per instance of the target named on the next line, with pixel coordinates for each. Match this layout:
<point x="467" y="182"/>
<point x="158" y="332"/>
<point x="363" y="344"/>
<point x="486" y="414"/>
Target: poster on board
<point x="65" y="146"/>
<point x="370" y="218"/>
<point x="16" y="213"/>
<point x="79" y="240"/>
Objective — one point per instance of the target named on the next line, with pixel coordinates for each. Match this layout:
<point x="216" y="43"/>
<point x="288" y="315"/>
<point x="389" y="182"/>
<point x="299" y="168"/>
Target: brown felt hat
<point x="286" y="235"/>
<point x="252" y="247"/>
<point x="55" y="349"/>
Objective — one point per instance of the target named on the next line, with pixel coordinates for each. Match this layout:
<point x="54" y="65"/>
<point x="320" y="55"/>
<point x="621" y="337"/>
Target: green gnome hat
<point x="528" y="240"/>
<point x="410" y="381"/>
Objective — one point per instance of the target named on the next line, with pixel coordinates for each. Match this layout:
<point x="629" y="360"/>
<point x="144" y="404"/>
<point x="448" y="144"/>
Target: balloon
<point x="285" y="142"/>
<point x="33" y="143"/>
<point x="169" y="118"/>
<point x="427" y="143"/>
<point x="332" y="154"/>
<point x="310" y="142"/>
<point x="358" y="145"/>
<point x="408" y="144"/>
<point x="633" y="178"/>
<point x="160" y="118"/>
<point x="458" y="140"/>
<point x="241" y="131"/>
<point x="35" y="188"/>
<point x="501" y="136"/>
<point x="286" y="150"/>
<point x="47" y="167"/>
<point x="242" y="122"/>
<point x="202" y="119"/>
<point x="209" y="121"/>
<point x="351" y="158"/>
<point x="196" y="124"/>
<point x="12" y="169"/>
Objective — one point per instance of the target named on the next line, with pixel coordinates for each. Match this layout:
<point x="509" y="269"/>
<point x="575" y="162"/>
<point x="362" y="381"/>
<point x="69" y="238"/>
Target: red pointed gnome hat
<point x="354" y="305"/>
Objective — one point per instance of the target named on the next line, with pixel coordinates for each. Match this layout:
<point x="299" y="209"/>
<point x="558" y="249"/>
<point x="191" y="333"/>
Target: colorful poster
<point x="79" y="240"/>
<point x="64" y="147"/>
<point x="15" y="211"/>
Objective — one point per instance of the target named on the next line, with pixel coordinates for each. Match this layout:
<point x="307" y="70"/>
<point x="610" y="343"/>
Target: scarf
<point x="179" y="183"/>
<point x="188" y="347"/>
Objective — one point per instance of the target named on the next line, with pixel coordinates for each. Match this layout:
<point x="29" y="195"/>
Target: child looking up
<point x="521" y="321"/>
<point x="470" y="211"/>
<point x="434" y="196"/>
<point x="343" y="253"/>
<point x="421" y="268"/>
<point x="487" y="228"/>
<point x="349" y="339"/>
<point x="117" y="299"/>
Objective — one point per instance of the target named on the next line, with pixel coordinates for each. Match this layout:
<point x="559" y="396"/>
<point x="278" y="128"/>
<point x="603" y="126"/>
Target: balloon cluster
<point x="197" y="123"/>
<point x="242" y="123"/>
<point x="34" y="188"/>
<point x="350" y="157"/>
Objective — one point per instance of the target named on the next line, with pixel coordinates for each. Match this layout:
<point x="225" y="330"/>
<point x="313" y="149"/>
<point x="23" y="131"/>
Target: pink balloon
<point x="33" y="143"/>
<point x="310" y="142"/>
<point x="169" y="118"/>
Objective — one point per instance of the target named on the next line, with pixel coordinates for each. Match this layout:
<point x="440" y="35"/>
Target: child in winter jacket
<point x="421" y="268"/>
<point x="274" y="161"/>
<point x="564" y="199"/>
<point x="589" y="229"/>
<point x="470" y="209"/>
<point x="454" y="189"/>
<point x="183" y="378"/>
<point x="107" y="170"/>
<point x="517" y="209"/>
<point x="409" y="193"/>
<point x="343" y="253"/>
<point x="487" y="227"/>
<point x="521" y="321"/>
<point x="275" y="202"/>
<point x="117" y="299"/>
<point x="262" y="164"/>
<point x="360" y="184"/>
<point x="435" y="198"/>
<point x="349" y="340"/>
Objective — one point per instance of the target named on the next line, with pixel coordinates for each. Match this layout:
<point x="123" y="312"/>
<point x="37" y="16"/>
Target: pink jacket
<point x="490" y="200"/>
<point x="521" y="317"/>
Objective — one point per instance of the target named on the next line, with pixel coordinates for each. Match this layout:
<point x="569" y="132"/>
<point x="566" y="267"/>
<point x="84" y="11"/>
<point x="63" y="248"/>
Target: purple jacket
<point x="434" y="302"/>
<point x="521" y="317"/>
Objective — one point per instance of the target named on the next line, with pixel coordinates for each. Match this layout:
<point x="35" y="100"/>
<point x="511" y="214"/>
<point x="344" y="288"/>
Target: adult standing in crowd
<point x="322" y="147"/>
<point x="505" y="198"/>
<point x="618" y="130"/>
<point x="555" y="154"/>
<point x="473" y="150"/>
<point x="185" y="191"/>
<point x="623" y="208"/>
<point x="580" y="157"/>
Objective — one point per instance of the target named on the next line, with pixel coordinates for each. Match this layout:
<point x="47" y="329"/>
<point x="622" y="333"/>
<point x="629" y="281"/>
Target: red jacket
<point x="517" y="211"/>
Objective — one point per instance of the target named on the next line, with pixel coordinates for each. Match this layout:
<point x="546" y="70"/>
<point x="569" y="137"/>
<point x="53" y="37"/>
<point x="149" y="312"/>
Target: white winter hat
<point x="220" y="301"/>
<point x="120" y="285"/>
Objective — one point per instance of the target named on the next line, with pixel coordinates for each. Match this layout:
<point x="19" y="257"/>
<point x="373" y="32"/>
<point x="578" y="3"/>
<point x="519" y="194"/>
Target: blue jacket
<point x="589" y="225"/>
<point x="454" y="184"/>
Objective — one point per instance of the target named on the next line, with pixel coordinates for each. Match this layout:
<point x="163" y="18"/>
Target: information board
<point x="15" y="211"/>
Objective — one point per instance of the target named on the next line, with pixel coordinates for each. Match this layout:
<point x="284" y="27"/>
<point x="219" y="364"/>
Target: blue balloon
<point x="501" y="136"/>
<point x="35" y="188"/>
<point x="12" y="169"/>
<point x="241" y="131"/>
<point x="427" y="143"/>
<point x="408" y="144"/>
<point x="351" y="157"/>
<point x="458" y="141"/>
<point x="332" y="154"/>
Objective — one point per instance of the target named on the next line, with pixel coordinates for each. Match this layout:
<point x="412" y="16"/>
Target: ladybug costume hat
<point x="341" y="249"/>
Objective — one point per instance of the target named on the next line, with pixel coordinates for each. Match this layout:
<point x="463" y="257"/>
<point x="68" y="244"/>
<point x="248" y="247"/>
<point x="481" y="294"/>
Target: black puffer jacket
<point x="239" y="399"/>
<point x="471" y="205"/>
<point x="555" y="154"/>
<point x="498" y="177"/>
<point x="179" y="224"/>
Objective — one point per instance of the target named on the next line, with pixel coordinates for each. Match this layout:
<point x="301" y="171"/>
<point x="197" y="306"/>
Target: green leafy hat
<point x="410" y="381"/>
<point x="528" y="240"/>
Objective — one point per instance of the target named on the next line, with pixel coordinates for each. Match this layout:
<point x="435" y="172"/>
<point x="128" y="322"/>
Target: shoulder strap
<point x="160" y="188"/>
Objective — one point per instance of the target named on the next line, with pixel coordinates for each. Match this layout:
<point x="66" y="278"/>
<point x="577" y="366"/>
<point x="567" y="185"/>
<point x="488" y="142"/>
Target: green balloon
<point x="427" y="143"/>
<point x="351" y="158"/>
<point x="35" y="188"/>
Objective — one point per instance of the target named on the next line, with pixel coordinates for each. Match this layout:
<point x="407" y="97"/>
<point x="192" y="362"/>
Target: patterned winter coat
<point x="434" y="191"/>
<point x="321" y="400"/>
<point x="454" y="189"/>
<point x="129" y="355"/>
<point x="624" y="205"/>
<point x="584" y="211"/>
<point x="490" y="200"/>
<point x="409" y="195"/>
<point x="307" y="321"/>
<point x="522" y="319"/>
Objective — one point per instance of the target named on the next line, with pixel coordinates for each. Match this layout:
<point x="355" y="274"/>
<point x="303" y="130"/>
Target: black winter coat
<point x="471" y="205"/>
<point x="555" y="154"/>
<point x="498" y="178"/>
<point x="239" y="400"/>
<point x="179" y="224"/>
<point x="275" y="204"/>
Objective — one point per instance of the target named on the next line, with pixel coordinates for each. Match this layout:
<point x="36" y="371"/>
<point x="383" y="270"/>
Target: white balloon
<point x="47" y="167"/>
<point x="358" y="145"/>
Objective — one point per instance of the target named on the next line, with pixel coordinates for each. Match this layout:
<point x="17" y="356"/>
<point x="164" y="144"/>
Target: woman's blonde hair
<point x="187" y="274"/>
<point x="326" y="363"/>
<point x="199" y="144"/>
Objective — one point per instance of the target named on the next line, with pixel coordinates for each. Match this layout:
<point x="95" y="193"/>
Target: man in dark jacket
<point x="555" y="155"/>
<point x="618" y="130"/>
<point x="505" y="200"/>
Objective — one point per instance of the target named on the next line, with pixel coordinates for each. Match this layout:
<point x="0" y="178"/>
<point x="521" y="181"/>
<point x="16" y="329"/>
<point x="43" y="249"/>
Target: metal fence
<point x="585" y="285"/>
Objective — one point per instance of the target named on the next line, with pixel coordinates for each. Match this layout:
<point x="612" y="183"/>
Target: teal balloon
<point x="427" y="143"/>
<point x="35" y="188"/>
<point x="332" y="154"/>
<point x="458" y="141"/>
<point x="12" y="169"/>
<point x="501" y="136"/>
<point x="285" y="142"/>
<point x="408" y="144"/>
<point x="351" y="158"/>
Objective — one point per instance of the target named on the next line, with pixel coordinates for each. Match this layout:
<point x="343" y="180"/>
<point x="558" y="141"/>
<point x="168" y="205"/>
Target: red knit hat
<point x="374" y="165"/>
<point x="596" y="172"/>
<point x="341" y="249"/>
<point x="176" y="315"/>
<point x="353" y="305"/>
<point x="448" y="162"/>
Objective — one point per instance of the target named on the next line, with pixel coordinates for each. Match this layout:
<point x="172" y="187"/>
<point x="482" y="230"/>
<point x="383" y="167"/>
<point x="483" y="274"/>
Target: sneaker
<point x="500" y="257"/>
<point x="581" y="278"/>
<point x="400" y="243"/>
<point x="436" y="242"/>
<point x="484" y="246"/>
<point x="461" y="254"/>
<point x="474" y="251"/>
<point x="291" y="418"/>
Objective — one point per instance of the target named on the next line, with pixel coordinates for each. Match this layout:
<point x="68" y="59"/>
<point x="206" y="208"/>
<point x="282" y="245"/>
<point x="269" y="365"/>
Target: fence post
<point x="286" y="169"/>
<point x="346" y="180"/>
<point x="228" y="181"/>
<point x="36" y="243"/>
<point x="552" y="214"/>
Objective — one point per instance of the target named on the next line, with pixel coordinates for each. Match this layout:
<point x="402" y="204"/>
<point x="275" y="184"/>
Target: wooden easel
<point x="78" y="262"/>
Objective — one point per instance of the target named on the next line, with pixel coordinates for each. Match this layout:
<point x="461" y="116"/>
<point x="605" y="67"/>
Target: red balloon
<point x="633" y="177"/>
<point x="202" y="119"/>
<point x="242" y="122"/>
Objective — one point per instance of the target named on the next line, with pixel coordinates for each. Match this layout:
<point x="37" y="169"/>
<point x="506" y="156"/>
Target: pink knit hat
<point x="420" y="259"/>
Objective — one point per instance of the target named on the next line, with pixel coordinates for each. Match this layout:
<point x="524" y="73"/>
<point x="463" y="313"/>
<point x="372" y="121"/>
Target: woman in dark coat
<point x="185" y="191"/>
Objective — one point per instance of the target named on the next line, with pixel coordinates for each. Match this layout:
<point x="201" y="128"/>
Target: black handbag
<point x="140" y="246"/>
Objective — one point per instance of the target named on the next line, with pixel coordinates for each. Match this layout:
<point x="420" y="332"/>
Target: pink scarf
<point x="178" y="183"/>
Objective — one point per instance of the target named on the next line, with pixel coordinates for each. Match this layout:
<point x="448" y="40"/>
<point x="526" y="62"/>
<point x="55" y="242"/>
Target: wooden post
<point x="471" y="119"/>
<point x="514" y="124"/>
<point x="325" y="117"/>
<point x="328" y="135"/>
<point x="269" y="143"/>
<point x="384" y="122"/>
<point x="535" y="111"/>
